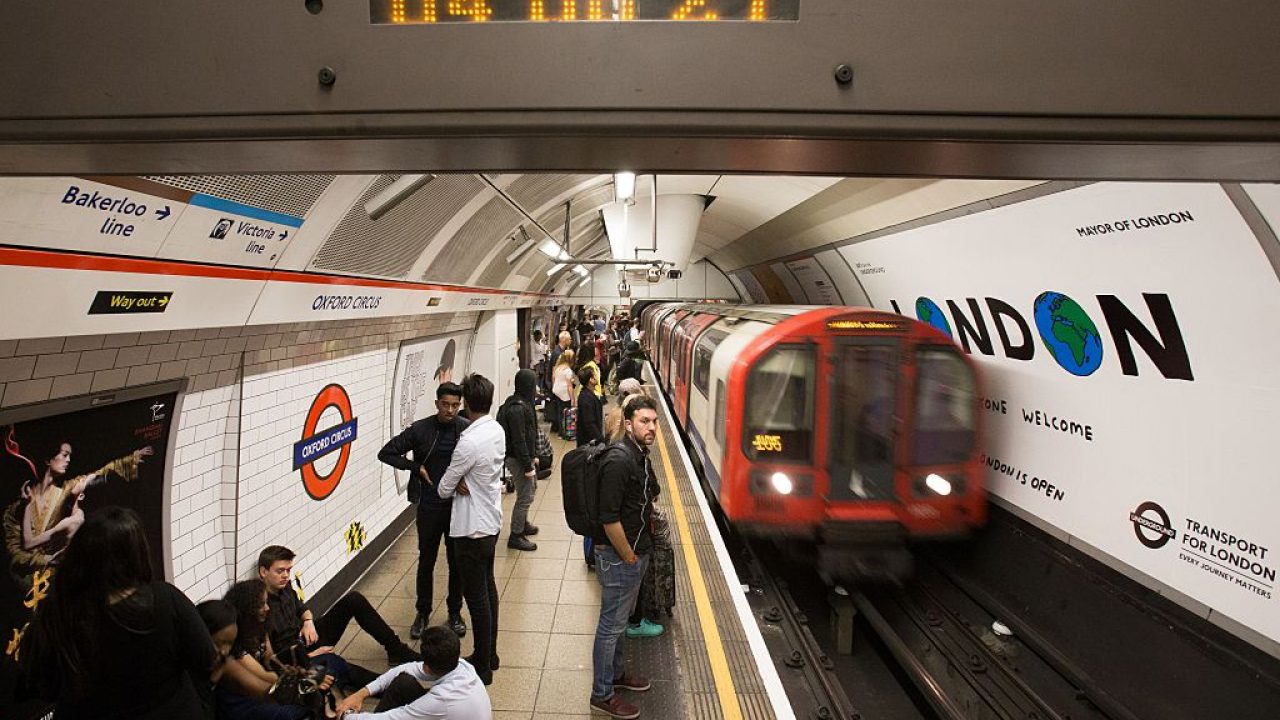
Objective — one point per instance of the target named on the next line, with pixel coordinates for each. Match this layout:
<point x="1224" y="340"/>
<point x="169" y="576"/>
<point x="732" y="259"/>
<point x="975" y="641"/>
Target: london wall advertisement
<point x="1126" y="333"/>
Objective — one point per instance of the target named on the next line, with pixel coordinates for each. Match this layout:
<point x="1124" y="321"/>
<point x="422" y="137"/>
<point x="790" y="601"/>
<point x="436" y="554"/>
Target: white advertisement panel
<point x="846" y="282"/>
<point x="814" y="282"/>
<point x="1267" y="198"/>
<point x="1124" y="331"/>
<point x="421" y="367"/>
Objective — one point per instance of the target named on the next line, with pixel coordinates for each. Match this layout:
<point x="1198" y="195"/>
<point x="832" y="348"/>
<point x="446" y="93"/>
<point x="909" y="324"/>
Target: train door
<point x="864" y="419"/>
<point x="690" y="331"/>
<point x="666" y="343"/>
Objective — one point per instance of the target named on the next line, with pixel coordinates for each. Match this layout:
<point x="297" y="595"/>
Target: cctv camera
<point x="675" y="274"/>
<point x="653" y="275"/>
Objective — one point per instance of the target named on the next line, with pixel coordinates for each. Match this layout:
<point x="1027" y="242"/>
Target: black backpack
<point x="580" y="486"/>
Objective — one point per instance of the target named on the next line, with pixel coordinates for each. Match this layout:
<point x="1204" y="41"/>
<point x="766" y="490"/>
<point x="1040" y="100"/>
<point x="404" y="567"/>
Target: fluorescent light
<point x="524" y="247"/>
<point x="394" y="194"/>
<point x="624" y="185"/>
<point x="550" y="248"/>
<point x="580" y="270"/>
<point x="938" y="484"/>
<point x="555" y="269"/>
<point x="781" y="483"/>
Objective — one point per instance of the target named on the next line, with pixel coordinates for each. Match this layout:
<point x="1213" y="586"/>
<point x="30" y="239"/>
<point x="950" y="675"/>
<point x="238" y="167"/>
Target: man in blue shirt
<point x="456" y="691"/>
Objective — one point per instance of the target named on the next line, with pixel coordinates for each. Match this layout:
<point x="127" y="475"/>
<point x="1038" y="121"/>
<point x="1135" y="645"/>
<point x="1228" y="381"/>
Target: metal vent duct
<point x="390" y="246"/>
<point x="289" y="194"/>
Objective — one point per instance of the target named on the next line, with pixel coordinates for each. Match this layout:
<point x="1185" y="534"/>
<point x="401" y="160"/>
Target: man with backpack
<point x="626" y="487"/>
<point x="518" y="421"/>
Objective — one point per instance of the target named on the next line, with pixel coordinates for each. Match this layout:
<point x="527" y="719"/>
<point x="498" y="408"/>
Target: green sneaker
<point x="644" y="629"/>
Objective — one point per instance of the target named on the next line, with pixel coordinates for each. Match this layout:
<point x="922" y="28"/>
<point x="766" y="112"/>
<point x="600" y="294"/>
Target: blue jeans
<point x="620" y="585"/>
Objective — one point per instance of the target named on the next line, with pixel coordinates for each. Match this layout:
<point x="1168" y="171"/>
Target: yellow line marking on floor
<point x="706" y="617"/>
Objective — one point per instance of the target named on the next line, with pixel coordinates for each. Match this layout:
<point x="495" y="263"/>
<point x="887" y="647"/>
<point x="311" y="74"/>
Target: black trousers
<point x="403" y="690"/>
<point x="433" y="524"/>
<point x="354" y="606"/>
<point x="475" y="559"/>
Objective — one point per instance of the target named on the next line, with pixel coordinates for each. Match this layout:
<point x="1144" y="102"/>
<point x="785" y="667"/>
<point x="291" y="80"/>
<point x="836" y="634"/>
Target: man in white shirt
<point x="456" y="692"/>
<point x="474" y="480"/>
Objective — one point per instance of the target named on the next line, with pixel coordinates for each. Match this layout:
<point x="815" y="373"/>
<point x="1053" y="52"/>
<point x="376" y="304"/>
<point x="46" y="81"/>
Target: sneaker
<point x="644" y="629"/>
<point x="458" y="627"/>
<point x="419" y="622"/>
<point x="632" y="681"/>
<point x="530" y="529"/>
<point x="403" y="654"/>
<point x="520" y="542"/>
<point x="616" y="707"/>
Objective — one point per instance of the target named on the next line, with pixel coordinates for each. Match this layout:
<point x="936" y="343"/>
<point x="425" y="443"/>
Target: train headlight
<point x="781" y="483"/>
<point x="936" y="485"/>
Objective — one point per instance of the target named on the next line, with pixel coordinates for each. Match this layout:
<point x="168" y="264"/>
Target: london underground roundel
<point x="316" y="443"/>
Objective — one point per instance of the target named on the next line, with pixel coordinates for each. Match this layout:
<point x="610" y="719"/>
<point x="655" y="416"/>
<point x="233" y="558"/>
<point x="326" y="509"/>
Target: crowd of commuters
<point x="110" y="641"/>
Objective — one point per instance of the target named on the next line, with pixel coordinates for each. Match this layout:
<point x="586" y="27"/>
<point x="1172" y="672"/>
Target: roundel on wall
<point x="321" y="474"/>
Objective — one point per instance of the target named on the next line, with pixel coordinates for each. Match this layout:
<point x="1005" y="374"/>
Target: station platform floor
<point x="705" y="665"/>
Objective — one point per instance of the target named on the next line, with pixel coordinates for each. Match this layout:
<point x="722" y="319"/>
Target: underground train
<point x="844" y="431"/>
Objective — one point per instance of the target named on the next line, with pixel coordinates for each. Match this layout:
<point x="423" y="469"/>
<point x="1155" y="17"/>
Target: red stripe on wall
<point x="20" y="257"/>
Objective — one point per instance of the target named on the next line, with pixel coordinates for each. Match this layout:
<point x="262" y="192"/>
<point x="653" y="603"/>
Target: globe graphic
<point x="1068" y="333"/>
<point x="929" y="312"/>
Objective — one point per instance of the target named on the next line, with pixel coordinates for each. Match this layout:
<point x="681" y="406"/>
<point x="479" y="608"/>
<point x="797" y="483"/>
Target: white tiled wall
<point x="233" y="486"/>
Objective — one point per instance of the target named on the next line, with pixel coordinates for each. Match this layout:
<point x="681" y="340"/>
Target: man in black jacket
<point x="518" y="421"/>
<point x="590" y="409"/>
<point x="627" y="488"/>
<point x="631" y="365"/>
<point x="431" y="440"/>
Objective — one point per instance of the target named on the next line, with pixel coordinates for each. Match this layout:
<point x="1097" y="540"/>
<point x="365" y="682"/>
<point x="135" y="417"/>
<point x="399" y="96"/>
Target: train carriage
<point x="850" y="429"/>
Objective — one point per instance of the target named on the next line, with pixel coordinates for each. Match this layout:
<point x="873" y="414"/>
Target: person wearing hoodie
<point x="520" y="423"/>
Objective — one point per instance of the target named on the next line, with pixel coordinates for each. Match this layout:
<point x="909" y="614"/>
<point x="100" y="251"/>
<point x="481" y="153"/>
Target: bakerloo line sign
<point x="1068" y="332"/>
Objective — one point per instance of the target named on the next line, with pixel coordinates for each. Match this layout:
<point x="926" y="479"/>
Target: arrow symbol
<point x="164" y="301"/>
<point x="284" y="234"/>
<point x="162" y="214"/>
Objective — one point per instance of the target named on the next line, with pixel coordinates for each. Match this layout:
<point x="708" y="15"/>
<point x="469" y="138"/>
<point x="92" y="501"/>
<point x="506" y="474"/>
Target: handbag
<point x="301" y="686"/>
<point x="546" y="456"/>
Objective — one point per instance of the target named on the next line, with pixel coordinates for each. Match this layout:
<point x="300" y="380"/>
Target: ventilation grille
<point x="491" y="225"/>
<point x="289" y="194"/>
<point x="391" y="246"/>
<point x="535" y="191"/>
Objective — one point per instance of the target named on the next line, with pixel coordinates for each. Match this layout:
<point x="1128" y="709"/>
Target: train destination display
<point x="432" y="12"/>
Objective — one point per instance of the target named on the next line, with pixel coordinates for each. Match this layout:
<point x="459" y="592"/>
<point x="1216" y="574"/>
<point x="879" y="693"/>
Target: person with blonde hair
<point x="562" y="388"/>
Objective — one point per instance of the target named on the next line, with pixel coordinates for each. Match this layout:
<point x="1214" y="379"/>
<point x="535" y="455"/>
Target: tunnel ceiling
<point x="459" y="228"/>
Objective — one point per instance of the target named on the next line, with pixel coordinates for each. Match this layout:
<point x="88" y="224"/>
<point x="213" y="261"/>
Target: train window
<point x="945" y="422"/>
<point x="702" y="358"/>
<point x="778" y="422"/>
<point x="720" y="409"/>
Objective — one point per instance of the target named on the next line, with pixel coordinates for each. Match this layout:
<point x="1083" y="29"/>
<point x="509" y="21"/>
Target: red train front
<point x="847" y="430"/>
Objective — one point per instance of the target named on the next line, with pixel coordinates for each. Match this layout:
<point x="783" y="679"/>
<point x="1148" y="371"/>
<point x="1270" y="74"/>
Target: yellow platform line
<point x="706" y="617"/>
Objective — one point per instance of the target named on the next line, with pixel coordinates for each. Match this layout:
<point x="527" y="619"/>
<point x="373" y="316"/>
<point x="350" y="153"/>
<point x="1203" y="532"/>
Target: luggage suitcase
<point x="569" y="424"/>
<point x="658" y="588"/>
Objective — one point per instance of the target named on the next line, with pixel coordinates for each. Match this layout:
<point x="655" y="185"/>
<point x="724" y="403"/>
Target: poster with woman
<point x="421" y="367"/>
<point x="60" y="462"/>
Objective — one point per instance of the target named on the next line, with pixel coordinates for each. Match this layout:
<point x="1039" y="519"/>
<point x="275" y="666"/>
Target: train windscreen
<point x="780" y="406"/>
<point x="945" y="422"/>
